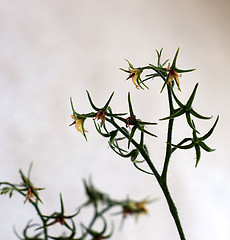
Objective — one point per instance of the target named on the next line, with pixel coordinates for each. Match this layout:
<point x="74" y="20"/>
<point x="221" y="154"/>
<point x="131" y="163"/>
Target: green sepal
<point x="205" y="147"/>
<point x="98" y="128"/>
<point x="134" y="154"/>
<point x="134" y="128"/>
<point x="140" y="169"/>
<point x="145" y="131"/>
<point x="130" y="65"/>
<point x="107" y="103"/>
<point x="177" y="100"/>
<point x="198" y="154"/>
<point x="113" y="134"/>
<point x="91" y="102"/>
<point x="159" y="58"/>
<point x="148" y="123"/>
<point x="191" y="145"/>
<point x="179" y="145"/>
<point x="197" y="115"/>
<point x="191" y="98"/>
<point x="130" y="106"/>
<point x="190" y="122"/>
<point x="208" y="134"/>
<point x="174" y="115"/>
<point x="184" y="71"/>
<point x="165" y="83"/>
<point x="175" y="59"/>
<point x="127" y="71"/>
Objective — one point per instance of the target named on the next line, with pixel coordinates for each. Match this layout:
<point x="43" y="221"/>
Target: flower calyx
<point x="32" y="192"/>
<point x="60" y="217"/>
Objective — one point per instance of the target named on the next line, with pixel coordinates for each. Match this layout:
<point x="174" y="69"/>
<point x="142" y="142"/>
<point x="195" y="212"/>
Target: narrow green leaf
<point x="190" y="100"/>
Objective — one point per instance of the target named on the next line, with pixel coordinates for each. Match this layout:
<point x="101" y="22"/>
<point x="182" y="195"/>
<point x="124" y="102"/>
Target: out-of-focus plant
<point x="73" y="228"/>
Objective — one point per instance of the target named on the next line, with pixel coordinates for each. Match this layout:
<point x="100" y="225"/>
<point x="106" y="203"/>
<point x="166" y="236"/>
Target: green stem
<point x="173" y="210"/>
<point x="169" y="136"/>
<point x="163" y="181"/>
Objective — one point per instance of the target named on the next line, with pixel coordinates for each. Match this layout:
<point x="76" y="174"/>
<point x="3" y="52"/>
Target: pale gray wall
<point x="51" y="50"/>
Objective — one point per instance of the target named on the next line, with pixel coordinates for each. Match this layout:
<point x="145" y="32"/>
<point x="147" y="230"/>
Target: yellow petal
<point x="79" y="125"/>
<point x="134" y="79"/>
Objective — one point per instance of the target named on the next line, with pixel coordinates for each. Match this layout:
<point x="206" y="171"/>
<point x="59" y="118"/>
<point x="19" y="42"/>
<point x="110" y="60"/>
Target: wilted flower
<point x="100" y="115"/>
<point x="31" y="193"/>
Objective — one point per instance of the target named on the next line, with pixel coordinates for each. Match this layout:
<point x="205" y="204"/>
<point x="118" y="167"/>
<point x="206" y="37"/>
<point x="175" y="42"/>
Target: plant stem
<point x="173" y="210"/>
<point x="163" y="180"/>
<point x="169" y="136"/>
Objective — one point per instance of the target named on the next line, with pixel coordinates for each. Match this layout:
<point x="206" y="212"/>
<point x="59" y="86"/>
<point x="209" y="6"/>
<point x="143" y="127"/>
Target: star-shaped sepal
<point x="197" y="142"/>
<point x="186" y="109"/>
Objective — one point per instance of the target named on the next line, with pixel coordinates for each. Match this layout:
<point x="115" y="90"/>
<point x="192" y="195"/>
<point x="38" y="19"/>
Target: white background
<point x="51" y="50"/>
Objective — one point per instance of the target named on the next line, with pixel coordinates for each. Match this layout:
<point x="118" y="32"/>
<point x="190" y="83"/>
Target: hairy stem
<point x="163" y="180"/>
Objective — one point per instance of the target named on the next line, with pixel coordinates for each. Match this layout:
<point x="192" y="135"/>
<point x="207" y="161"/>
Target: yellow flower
<point x="173" y="74"/>
<point x="78" y="122"/>
<point x="134" y="74"/>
